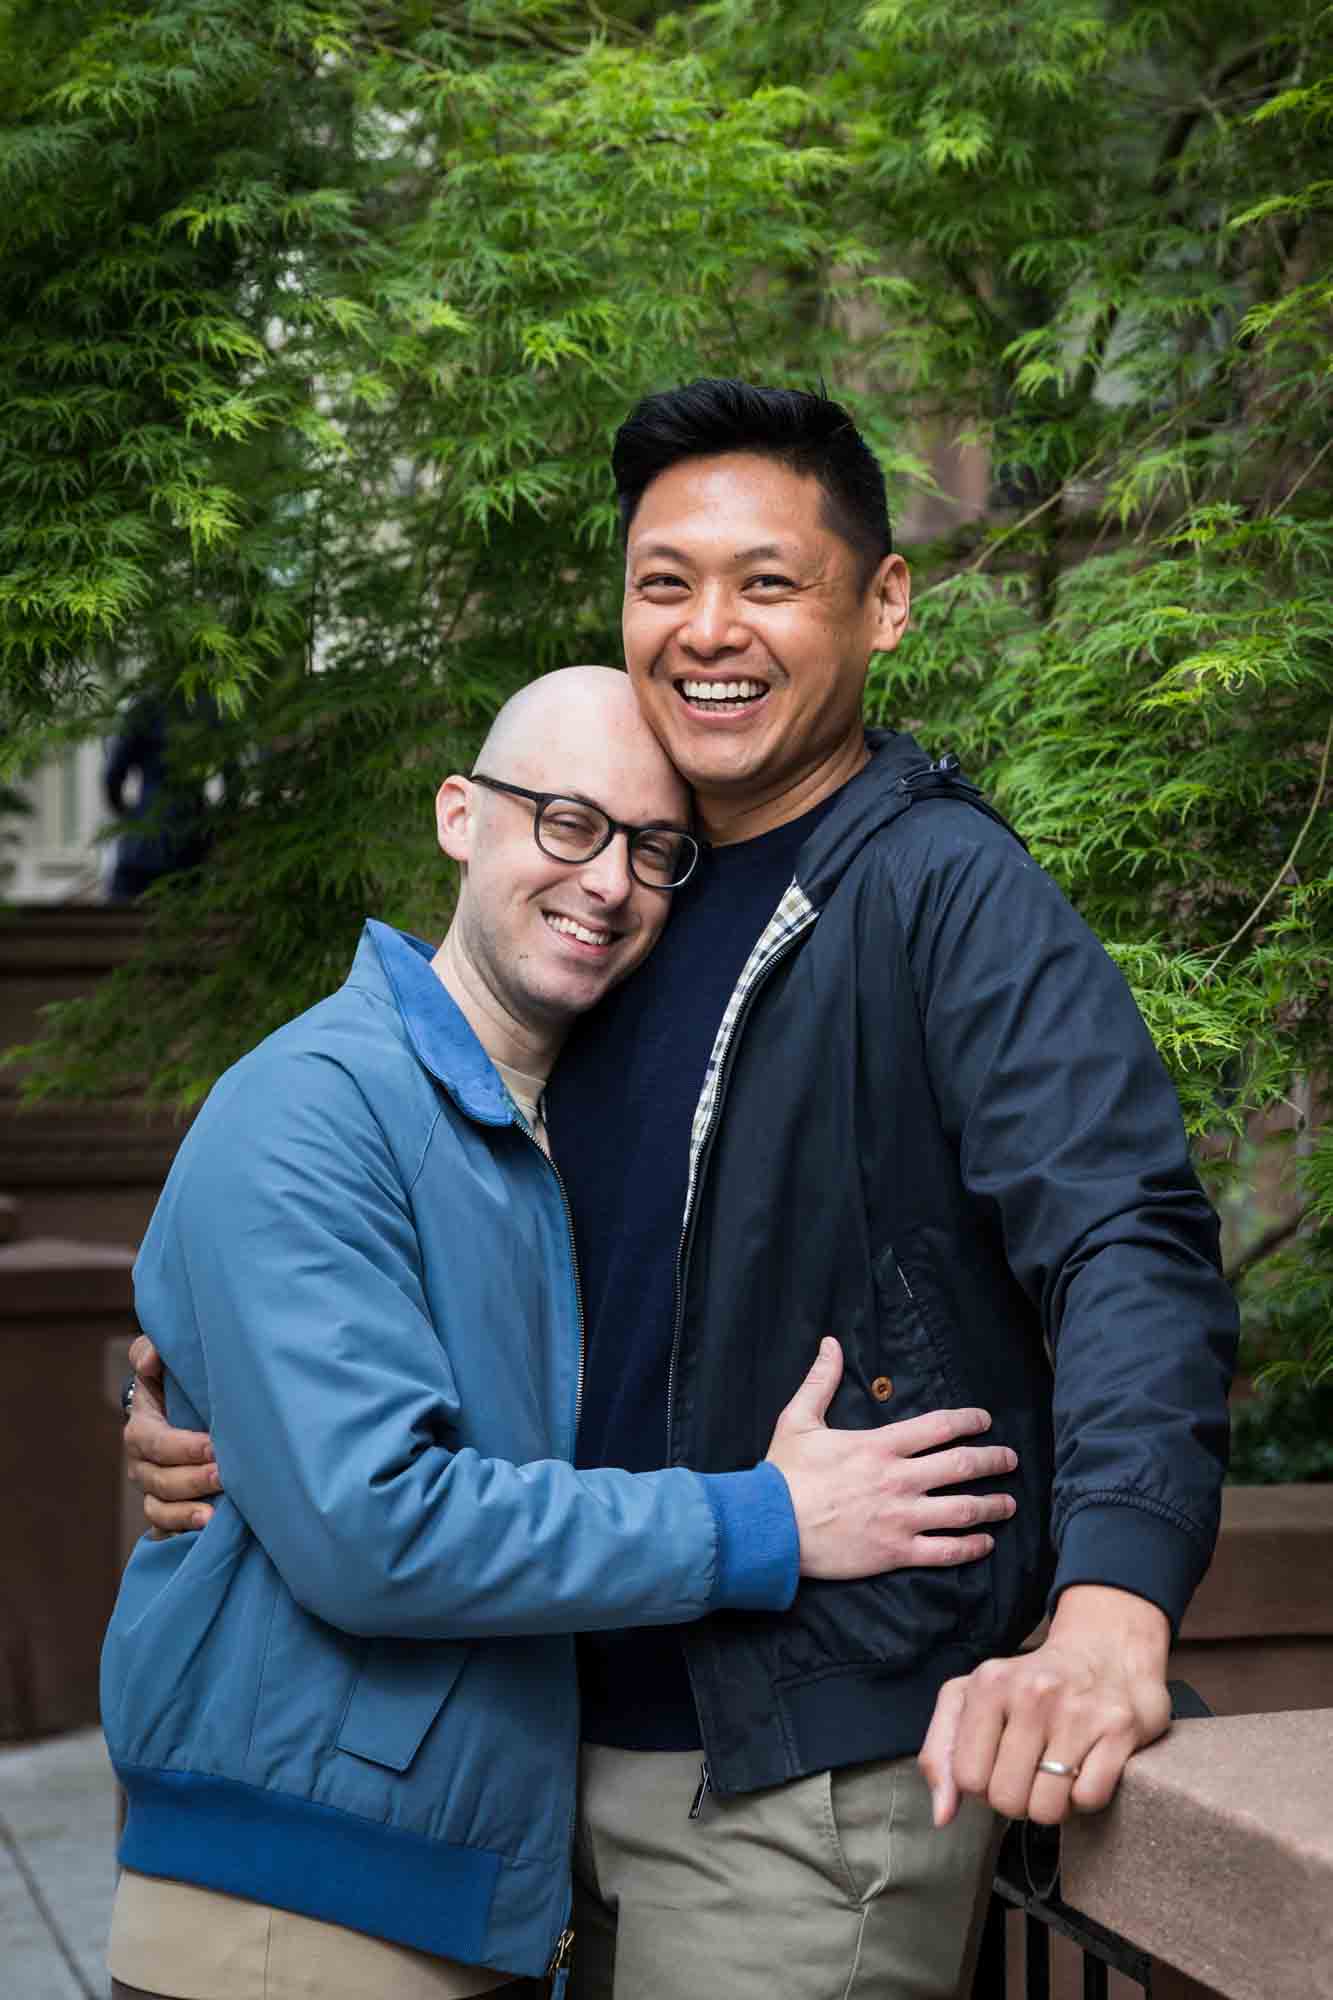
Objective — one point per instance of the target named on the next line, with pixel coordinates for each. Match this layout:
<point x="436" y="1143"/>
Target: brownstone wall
<point x="88" y="1171"/>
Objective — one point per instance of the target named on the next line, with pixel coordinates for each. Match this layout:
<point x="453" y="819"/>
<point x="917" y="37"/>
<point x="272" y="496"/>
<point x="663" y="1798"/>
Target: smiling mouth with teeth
<point x="583" y="932"/>
<point x="721" y="697"/>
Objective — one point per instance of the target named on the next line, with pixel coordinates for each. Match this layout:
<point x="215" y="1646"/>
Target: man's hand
<point x="175" y="1469"/>
<point x="1089" y="1697"/>
<point x="864" y="1501"/>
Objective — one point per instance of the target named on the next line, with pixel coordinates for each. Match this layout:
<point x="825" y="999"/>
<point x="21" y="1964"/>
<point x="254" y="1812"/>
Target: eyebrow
<point x="761" y="551"/>
<point x="668" y="825"/>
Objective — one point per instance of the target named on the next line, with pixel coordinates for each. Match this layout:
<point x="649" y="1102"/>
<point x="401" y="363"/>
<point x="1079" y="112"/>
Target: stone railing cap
<point x="1217" y="1855"/>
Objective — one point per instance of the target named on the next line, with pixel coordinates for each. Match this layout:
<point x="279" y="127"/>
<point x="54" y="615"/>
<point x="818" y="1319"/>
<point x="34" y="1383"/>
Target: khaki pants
<point x="835" y="1887"/>
<point x="176" y="1941"/>
<point x="520" y="1989"/>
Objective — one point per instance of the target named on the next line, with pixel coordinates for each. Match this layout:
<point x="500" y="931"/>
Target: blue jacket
<point x="353" y="1694"/>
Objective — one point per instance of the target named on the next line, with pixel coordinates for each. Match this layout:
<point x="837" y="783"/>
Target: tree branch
<point x="1177" y="138"/>
<point x="967" y="284"/>
<point x="1291" y="491"/>
<point x="512" y="38"/>
<point x="1271" y="1240"/>
<point x="1282" y="872"/>
<point x="1088" y="466"/>
<point x="1017" y="527"/>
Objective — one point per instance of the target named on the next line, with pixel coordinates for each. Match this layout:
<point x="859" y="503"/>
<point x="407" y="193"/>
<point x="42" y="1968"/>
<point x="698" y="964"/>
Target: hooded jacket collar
<point x="435" y="1025"/>
<point x="866" y="803"/>
<point x="899" y="774"/>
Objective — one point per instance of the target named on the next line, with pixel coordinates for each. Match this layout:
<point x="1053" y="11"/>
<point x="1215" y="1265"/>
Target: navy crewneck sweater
<point x="619" y="1108"/>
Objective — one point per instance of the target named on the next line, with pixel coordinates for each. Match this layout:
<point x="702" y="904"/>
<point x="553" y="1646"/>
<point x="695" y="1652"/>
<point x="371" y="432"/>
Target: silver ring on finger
<point x="1055" y="1769"/>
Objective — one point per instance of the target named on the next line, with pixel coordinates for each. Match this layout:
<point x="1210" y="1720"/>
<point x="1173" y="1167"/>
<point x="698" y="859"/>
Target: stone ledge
<point x="1273" y="1567"/>
<point x="108" y="1144"/>
<point x="1217" y="1855"/>
<point x="47" y="1276"/>
<point x="81" y="938"/>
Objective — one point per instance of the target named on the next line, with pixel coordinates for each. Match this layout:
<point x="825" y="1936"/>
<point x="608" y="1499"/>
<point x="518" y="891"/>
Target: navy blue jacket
<point x="935" y="1126"/>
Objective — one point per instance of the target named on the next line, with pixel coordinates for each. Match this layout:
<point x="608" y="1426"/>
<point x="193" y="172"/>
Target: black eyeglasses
<point x="660" y="857"/>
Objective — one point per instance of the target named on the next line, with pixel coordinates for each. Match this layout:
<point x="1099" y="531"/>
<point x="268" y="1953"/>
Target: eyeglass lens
<point x="569" y="830"/>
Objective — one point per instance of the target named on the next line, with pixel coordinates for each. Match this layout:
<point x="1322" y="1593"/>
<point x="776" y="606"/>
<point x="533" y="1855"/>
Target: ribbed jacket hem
<point x="271" y="1847"/>
<point x="855" y="1714"/>
<point x="1131" y="1542"/>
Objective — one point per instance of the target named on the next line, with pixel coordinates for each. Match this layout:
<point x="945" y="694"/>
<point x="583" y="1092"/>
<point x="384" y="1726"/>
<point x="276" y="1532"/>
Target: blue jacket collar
<point x="434" y="1022"/>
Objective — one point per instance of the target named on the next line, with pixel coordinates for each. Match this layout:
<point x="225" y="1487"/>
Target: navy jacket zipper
<point x="696" y="1181"/>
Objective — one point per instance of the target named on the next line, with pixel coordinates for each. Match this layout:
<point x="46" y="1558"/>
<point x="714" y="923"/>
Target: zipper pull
<point x="944" y="770"/>
<point x="705" y="1787"/>
<point x="557" y="1972"/>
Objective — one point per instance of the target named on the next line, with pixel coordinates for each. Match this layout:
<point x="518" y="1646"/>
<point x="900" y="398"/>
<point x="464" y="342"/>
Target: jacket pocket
<point x="402" y="1686"/>
<point x="919" y="1374"/>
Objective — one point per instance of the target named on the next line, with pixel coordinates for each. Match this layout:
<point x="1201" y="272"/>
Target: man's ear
<point x="892" y="588"/>
<point x="455" y="812"/>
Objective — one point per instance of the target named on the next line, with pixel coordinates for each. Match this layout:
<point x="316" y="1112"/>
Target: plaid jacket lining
<point x="791" y="916"/>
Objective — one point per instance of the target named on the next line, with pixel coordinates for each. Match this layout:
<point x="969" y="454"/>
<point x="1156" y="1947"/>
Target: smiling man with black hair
<point x="880" y="1080"/>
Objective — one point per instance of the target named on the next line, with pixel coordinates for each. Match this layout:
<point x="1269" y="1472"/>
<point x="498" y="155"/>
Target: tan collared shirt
<point x="528" y="1093"/>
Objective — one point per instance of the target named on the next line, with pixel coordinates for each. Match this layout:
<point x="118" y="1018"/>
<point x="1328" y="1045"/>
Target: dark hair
<point x="811" y="434"/>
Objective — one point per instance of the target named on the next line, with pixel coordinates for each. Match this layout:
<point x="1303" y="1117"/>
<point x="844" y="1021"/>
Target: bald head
<point x="575" y="715"/>
<point x="538" y="937"/>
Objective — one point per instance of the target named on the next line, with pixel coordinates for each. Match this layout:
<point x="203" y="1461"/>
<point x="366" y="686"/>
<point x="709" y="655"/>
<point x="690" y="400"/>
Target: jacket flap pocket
<point x="401" y="1689"/>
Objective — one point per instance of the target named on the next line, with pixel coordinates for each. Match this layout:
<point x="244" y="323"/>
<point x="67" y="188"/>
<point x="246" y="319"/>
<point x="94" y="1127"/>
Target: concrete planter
<point x="90" y="1170"/>
<point x="65" y="1322"/>
<point x="1259" y="1634"/>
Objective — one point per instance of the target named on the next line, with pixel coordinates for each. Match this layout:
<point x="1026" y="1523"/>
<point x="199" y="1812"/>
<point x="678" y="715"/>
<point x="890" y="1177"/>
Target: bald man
<point x="344" y="1711"/>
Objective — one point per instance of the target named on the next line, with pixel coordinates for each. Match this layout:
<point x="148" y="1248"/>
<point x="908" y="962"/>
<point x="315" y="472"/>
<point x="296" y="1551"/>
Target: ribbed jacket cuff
<point x="759" y="1550"/>
<point x="1130" y="1546"/>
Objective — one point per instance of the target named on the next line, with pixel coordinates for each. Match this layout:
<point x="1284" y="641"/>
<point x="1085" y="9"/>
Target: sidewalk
<point x="57" y="1868"/>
